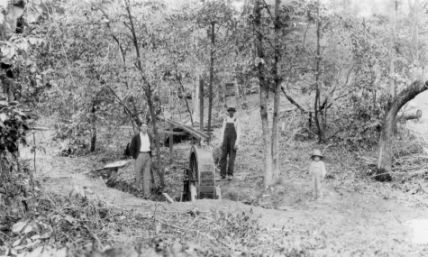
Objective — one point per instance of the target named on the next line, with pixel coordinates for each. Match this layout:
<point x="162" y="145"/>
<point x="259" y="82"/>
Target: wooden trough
<point x="110" y="169"/>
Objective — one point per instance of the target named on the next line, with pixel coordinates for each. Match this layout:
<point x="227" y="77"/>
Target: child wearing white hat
<point x="318" y="171"/>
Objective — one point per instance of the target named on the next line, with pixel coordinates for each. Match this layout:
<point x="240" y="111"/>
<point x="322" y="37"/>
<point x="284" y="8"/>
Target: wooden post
<point x="193" y="192"/>
<point x="171" y="143"/>
<point x="34" y="148"/>
<point x="195" y="102"/>
<point x="201" y="104"/>
<point x="171" y="139"/>
<point x="34" y="160"/>
<point x="237" y="94"/>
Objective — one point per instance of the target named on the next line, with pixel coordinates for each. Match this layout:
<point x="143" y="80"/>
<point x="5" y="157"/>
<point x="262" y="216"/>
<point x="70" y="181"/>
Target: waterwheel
<point x="199" y="180"/>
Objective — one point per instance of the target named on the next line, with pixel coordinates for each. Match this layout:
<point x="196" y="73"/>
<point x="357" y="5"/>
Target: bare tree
<point x="264" y="91"/>
<point x="277" y="91"/>
<point x="148" y="91"/>
<point x="211" y="81"/>
<point x="270" y="137"/>
<point x="317" y="101"/>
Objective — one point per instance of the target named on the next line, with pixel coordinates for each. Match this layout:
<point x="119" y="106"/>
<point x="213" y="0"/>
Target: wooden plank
<point x="116" y="164"/>
<point x="175" y="133"/>
<point x="195" y="133"/>
<point x="168" y="198"/>
<point x="40" y="128"/>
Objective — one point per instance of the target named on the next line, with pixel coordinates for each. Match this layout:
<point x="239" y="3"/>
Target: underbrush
<point x="124" y="180"/>
<point x="77" y="226"/>
<point x="349" y="166"/>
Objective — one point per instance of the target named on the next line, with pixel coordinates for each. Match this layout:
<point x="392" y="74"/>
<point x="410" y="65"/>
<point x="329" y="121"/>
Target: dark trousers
<point x="228" y="149"/>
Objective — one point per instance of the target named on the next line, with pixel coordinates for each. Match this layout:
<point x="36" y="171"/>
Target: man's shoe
<point x="229" y="177"/>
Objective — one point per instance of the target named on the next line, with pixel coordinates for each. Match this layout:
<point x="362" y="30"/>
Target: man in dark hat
<point x="141" y="150"/>
<point x="230" y="134"/>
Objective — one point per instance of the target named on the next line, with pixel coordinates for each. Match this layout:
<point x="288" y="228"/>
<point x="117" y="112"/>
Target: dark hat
<point x="231" y="109"/>
<point x="141" y="124"/>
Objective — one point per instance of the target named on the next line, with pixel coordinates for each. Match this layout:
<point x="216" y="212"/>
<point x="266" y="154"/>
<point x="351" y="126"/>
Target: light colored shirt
<point x="145" y="142"/>
<point x="235" y="122"/>
<point x="317" y="168"/>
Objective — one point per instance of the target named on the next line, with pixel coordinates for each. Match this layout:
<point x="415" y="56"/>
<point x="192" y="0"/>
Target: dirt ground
<point x="356" y="217"/>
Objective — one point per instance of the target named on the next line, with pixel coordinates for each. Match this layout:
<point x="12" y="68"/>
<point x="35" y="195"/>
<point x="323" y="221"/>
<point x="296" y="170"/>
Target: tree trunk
<point x="324" y="112"/>
<point x="160" y="170"/>
<point x="416" y="10"/>
<point x="384" y="164"/>
<point x="264" y="94"/>
<point x="237" y="93"/>
<point x="221" y="97"/>
<point x="320" y="131"/>
<point x="393" y="83"/>
<point x="277" y="90"/>
<point x="93" y="128"/>
<point x="264" y="98"/>
<point x="195" y="101"/>
<point x="148" y="93"/>
<point x="241" y="98"/>
<point x="210" y="88"/>
<point x="243" y="90"/>
<point x="185" y="98"/>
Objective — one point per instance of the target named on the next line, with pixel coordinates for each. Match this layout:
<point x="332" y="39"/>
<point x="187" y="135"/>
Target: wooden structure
<point x="199" y="179"/>
<point x="192" y="131"/>
<point x="109" y="170"/>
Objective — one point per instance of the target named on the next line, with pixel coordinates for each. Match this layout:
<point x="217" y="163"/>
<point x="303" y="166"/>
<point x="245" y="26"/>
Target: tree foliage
<point x="84" y="63"/>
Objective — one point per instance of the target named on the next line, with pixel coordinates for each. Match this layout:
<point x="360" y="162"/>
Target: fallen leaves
<point x="31" y="234"/>
<point x="45" y="251"/>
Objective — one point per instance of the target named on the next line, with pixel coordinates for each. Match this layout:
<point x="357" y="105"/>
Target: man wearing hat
<point x="141" y="150"/>
<point x="230" y="134"/>
<point x="318" y="171"/>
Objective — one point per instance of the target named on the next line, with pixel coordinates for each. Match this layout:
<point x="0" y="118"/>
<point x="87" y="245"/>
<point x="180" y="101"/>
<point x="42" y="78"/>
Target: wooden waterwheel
<point x="199" y="179"/>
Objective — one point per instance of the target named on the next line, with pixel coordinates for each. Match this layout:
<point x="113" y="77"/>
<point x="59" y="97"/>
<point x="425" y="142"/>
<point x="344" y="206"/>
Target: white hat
<point x="318" y="153"/>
